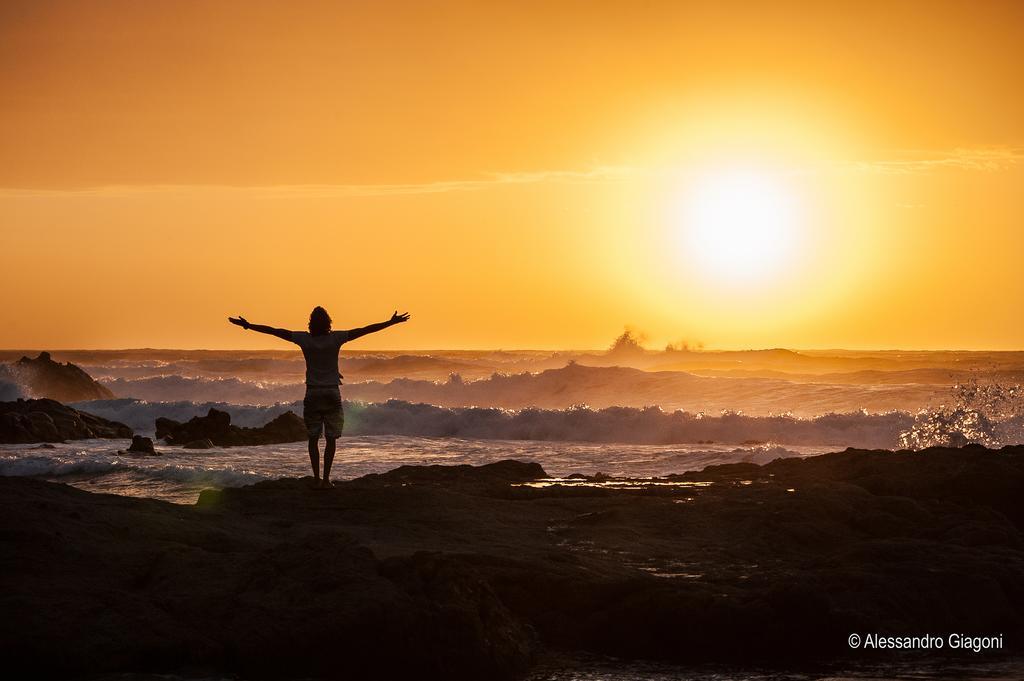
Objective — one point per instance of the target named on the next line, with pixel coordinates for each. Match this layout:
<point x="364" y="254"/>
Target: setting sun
<point x="738" y="225"/>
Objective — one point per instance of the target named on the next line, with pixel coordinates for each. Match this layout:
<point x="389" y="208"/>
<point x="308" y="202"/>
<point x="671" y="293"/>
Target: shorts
<point x="321" y="411"/>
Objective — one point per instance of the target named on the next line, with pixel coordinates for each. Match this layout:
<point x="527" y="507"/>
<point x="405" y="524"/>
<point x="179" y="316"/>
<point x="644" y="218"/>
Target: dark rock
<point x="462" y="572"/>
<point x="141" y="445"/>
<point x="236" y="596"/>
<point x="216" y="427"/>
<point x="506" y="471"/>
<point x="204" y="443"/>
<point x="45" y="420"/>
<point x="45" y="378"/>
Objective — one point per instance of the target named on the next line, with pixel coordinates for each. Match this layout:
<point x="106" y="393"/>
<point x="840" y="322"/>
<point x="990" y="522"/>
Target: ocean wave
<point x="56" y="467"/>
<point x="212" y="477"/>
<point x="648" y="425"/>
<point x="202" y="389"/>
<point x="209" y="367"/>
<point x="608" y="386"/>
<point x="555" y="388"/>
<point x="50" y="466"/>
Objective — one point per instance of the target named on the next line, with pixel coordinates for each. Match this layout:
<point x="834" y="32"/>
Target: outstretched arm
<point x="373" y="328"/>
<point x="283" y="334"/>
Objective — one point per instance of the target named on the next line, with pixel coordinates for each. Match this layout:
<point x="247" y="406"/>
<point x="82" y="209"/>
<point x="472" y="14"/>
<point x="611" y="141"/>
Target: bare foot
<point x="316" y="483"/>
<point x="326" y="484"/>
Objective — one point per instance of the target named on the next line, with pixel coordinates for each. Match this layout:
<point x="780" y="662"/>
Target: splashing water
<point x="986" y="413"/>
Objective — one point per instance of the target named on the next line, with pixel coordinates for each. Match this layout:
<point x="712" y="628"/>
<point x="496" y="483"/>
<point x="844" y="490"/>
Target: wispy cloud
<point x="909" y="161"/>
<point x="597" y="174"/>
<point x="897" y="162"/>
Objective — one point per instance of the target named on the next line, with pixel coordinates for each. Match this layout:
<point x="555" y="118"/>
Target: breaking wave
<point x="648" y="425"/>
<point x="557" y="388"/>
<point x="204" y="389"/>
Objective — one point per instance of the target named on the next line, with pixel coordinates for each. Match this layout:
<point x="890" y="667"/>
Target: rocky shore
<point x="473" y="572"/>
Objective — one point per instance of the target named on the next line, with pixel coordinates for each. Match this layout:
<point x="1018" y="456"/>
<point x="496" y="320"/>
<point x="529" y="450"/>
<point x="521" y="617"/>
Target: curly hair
<point x="319" y="322"/>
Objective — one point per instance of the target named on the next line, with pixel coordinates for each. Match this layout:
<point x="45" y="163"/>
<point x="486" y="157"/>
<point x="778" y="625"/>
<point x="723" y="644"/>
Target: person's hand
<point x="239" y="321"/>
<point x="399" y="318"/>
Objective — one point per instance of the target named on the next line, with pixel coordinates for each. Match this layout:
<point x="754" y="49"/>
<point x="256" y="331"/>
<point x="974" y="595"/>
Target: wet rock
<point x="203" y="443"/>
<point x="217" y="428"/>
<point x="506" y="471"/>
<point x="45" y="420"/>
<point x="44" y="378"/>
<point x="141" y="445"/>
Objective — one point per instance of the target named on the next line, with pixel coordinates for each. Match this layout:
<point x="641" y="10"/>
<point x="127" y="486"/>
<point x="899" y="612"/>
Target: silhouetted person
<point x="321" y="408"/>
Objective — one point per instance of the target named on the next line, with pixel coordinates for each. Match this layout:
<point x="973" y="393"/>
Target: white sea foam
<point x="56" y="466"/>
<point x="205" y="389"/>
<point x="85" y="463"/>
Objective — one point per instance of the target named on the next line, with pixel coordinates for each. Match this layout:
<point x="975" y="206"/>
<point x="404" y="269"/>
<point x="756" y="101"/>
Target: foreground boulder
<point x="216" y="427"/>
<point x="43" y="377"/>
<point x="469" y="572"/>
<point x="23" y="421"/>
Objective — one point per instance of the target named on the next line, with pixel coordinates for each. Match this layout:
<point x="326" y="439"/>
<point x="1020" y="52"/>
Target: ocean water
<point x="178" y="475"/>
<point x="642" y="414"/>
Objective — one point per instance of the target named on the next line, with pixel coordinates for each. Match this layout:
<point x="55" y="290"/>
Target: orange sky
<point x="508" y="172"/>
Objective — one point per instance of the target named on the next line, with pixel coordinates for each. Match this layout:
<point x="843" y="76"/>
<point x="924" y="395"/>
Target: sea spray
<point x="981" y="412"/>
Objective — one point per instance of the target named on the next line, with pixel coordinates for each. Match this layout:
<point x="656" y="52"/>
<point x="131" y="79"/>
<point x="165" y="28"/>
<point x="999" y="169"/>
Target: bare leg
<point x="329" y="445"/>
<point x="314" y="457"/>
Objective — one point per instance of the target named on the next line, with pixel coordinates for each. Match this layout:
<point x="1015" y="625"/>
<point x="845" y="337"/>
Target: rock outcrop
<point x="23" y="421"/>
<point x="142" y="445"/>
<point x="470" y="572"/>
<point x="42" y="377"/>
<point x="216" y="427"/>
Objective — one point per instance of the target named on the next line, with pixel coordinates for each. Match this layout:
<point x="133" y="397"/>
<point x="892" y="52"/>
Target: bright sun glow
<point x="738" y="226"/>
